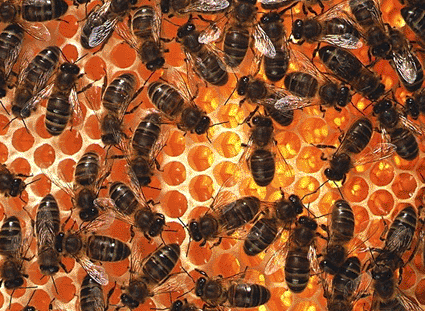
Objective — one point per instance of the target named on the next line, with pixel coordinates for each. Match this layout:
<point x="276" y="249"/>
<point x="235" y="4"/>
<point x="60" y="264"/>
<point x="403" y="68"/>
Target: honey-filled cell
<point x="381" y="202"/>
<point x="404" y="186"/>
<point x="22" y="140"/>
<point x="174" y="173"/>
<point x="174" y="204"/>
<point x="228" y="144"/>
<point x="202" y="188"/>
<point x="200" y="158"/>
<point x="382" y="173"/>
<point x="314" y="130"/>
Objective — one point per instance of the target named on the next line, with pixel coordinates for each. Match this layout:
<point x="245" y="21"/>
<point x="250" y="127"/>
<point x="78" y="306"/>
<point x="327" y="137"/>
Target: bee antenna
<point x="32" y="295"/>
<point x="311" y="193"/>
<point x="4" y="108"/>
<point x="357" y="108"/>
<point x="234" y="89"/>
<point x="193" y="280"/>
<point x="155" y="188"/>
<point x="10" y="300"/>
<point x="25" y="125"/>
<point x="167" y="20"/>
<point x="54" y="284"/>
<point x="8" y="123"/>
<point x="81" y="57"/>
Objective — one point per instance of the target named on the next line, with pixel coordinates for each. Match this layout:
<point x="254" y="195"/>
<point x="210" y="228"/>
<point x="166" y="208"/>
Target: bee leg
<point x="311" y="10"/>
<point x="322" y="7"/>
<point x="63" y="267"/>
<point x="105" y="83"/>
<point x="384" y="232"/>
<point x="316" y="50"/>
<point x="109" y="295"/>
<point x="146" y="236"/>
<point x="217" y="243"/>
<point x="132" y="233"/>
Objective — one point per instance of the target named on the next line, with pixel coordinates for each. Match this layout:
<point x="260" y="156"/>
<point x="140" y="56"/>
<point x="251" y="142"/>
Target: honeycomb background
<point x="194" y="169"/>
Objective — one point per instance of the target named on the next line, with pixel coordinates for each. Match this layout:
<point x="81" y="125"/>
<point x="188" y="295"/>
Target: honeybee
<point x="47" y="226"/>
<point x="288" y="4"/>
<point x="350" y="70"/>
<point x="63" y="101"/>
<point x="397" y="129"/>
<point x="230" y="292"/>
<point x="133" y="209"/>
<point x="102" y="20"/>
<point x="151" y="276"/>
<point x="191" y="6"/>
<point x="204" y="60"/>
<point x="341" y="231"/>
<point x="177" y="104"/>
<point x="84" y="247"/>
<point x="41" y="11"/>
<point x="13" y="248"/>
<point x="413" y="16"/>
<point x="91" y="295"/>
<point x="32" y="81"/>
<point x="334" y="26"/>
<point x="184" y="305"/>
<point x="386" y="295"/>
<point x="281" y="215"/>
<point x="354" y="142"/>
<point x="11" y="184"/>
<point x="224" y="217"/>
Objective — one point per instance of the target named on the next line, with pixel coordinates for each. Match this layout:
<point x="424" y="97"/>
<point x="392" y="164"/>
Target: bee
<point x="42" y="11"/>
<point x="151" y="275"/>
<point x="63" y="101"/>
<point x="288" y="4"/>
<point x="413" y="16"/>
<point x="176" y="103"/>
<point x="91" y="295"/>
<point x="11" y="39"/>
<point x="398" y="240"/>
<point x="224" y="217"/>
<point x="275" y="67"/>
<point x="415" y="105"/>
<point x="405" y="62"/>
<point x="280" y="216"/>
<point x="204" y="60"/>
<point x="350" y="70"/>
<point x="193" y="6"/>
<point x="184" y="305"/>
<point x="84" y="247"/>
<point x="134" y="209"/>
<point x="230" y="292"/>
<point x="339" y="234"/>
<point x="102" y="20"/>
<point x="344" y="291"/>
<point x="47" y="226"/>
<point x="401" y="131"/>
<point x="13" y="248"/>
<point x="115" y="99"/>
<point x="354" y="142"/>
<point x="11" y="184"/>
<point x="334" y="26"/>
<point x="33" y="80"/>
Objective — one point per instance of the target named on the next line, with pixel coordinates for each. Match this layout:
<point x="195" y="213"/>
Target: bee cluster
<point x="190" y="154"/>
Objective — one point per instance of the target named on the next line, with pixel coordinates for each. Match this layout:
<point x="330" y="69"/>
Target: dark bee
<point x="415" y="105"/>
<point x="288" y="4"/>
<point x="47" y="226"/>
<point x="11" y="39"/>
<point x="91" y="295"/>
<point x="101" y="22"/>
<point x="350" y="70"/>
<point x="205" y="62"/>
<point x="231" y="292"/>
<point x="41" y="11"/>
<point x="398" y="128"/>
<point x="184" y="305"/>
<point x="63" y="99"/>
<point x="344" y="289"/>
<point x="177" y="105"/>
<point x="116" y="99"/>
<point x="389" y="259"/>
<point x="191" y="6"/>
<point x="405" y="62"/>
<point x="297" y="263"/>
<point x="150" y="275"/>
<point x="334" y="26"/>
<point x="33" y="80"/>
<point x="11" y="184"/>
<point x="224" y="218"/>
<point x="133" y="209"/>
<point x="414" y="18"/>
<point x="355" y="141"/>
<point x="258" y="91"/>
<point x="84" y="247"/>
<point x="280" y="216"/>
<point x="275" y="67"/>
<point x="340" y="233"/>
<point x="13" y="247"/>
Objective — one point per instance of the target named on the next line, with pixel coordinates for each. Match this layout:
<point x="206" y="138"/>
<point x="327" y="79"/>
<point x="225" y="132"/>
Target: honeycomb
<point x="193" y="169"/>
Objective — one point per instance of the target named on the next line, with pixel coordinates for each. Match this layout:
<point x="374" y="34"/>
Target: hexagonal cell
<point x="200" y="158"/>
<point x="228" y="144"/>
<point x="381" y="202"/>
<point x="404" y="186"/>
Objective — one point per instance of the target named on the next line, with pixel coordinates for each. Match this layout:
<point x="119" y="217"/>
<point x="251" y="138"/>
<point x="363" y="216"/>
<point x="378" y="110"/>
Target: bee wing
<point x="103" y="221"/>
<point x="281" y="2"/>
<point x="97" y="273"/>
<point x="380" y="152"/>
<point x="346" y="41"/>
<point x="416" y="129"/>
<point x="176" y="282"/>
<point x="176" y="78"/>
<point x="101" y="33"/>
<point x="277" y="260"/>
<point x="405" y="64"/>
<point x="263" y="43"/>
<point x="35" y="100"/>
<point x="59" y="182"/>
<point x="400" y="240"/>
<point x="210" y="34"/>
<point x="124" y="32"/>
<point x="24" y="65"/>
<point x="407" y="302"/>
<point x="38" y="31"/>
<point x="206" y="6"/>
<point x="11" y="59"/>
<point x="46" y="234"/>
<point x="312" y="258"/>
<point x="108" y="204"/>
<point x="77" y="112"/>
<point x="156" y="25"/>
<point x="285" y="102"/>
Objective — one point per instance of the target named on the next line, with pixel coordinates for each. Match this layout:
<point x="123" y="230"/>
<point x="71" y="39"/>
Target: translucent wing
<point x="407" y="302"/>
<point x="101" y="33"/>
<point x="96" y="272"/>
<point x="11" y="59"/>
<point x="263" y="43"/>
<point x="176" y="282"/>
<point x="77" y="113"/>
<point x="156" y="26"/>
<point x="35" y="100"/>
<point x="280" y="2"/>
<point x="287" y="102"/>
<point x="59" y="182"/>
<point x="405" y="65"/>
<point x="346" y="41"/>
<point x="175" y="77"/>
<point x="380" y="152"/>
<point x="103" y="221"/>
<point x="38" y="31"/>
<point x="312" y="258"/>
<point x="124" y="32"/>
<point x="400" y="240"/>
<point x="416" y="129"/>
<point x="210" y="34"/>
<point x="109" y="205"/>
<point x="24" y="66"/>
<point x="206" y="6"/>
<point x="278" y="259"/>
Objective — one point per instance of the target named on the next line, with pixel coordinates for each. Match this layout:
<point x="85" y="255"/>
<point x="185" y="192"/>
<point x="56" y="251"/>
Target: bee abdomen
<point x="87" y="169"/>
<point x="406" y="145"/>
<point x="245" y="295"/>
<point x="276" y="68"/>
<point x="166" y="99"/>
<point x="58" y="113"/>
<point x="262" y="166"/>
<point x="301" y="84"/>
<point x="211" y="69"/>
<point x="161" y="263"/>
<point x="43" y="10"/>
<point x="104" y="248"/>
<point x="91" y="295"/>
<point x="261" y="235"/>
<point x="240" y="212"/>
<point x="10" y="236"/>
<point x="297" y="270"/>
<point x="236" y="44"/>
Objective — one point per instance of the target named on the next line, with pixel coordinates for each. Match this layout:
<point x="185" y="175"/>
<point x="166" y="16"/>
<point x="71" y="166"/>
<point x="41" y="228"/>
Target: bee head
<point x="89" y="214"/>
<point x="298" y="29"/>
<point x="129" y="302"/>
<point x="296" y="203"/>
<point x="195" y="231"/>
<point x="155" y="64"/>
<point x="177" y="306"/>
<point x="203" y="125"/>
<point x="262" y="121"/>
<point x="242" y="85"/>
<point x="70" y="68"/>
<point x="200" y="286"/>
<point x="157" y="225"/>
<point x="270" y="18"/>
<point x="185" y="30"/>
<point x="14" y="283"/>
<point x="18" y="185"/>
